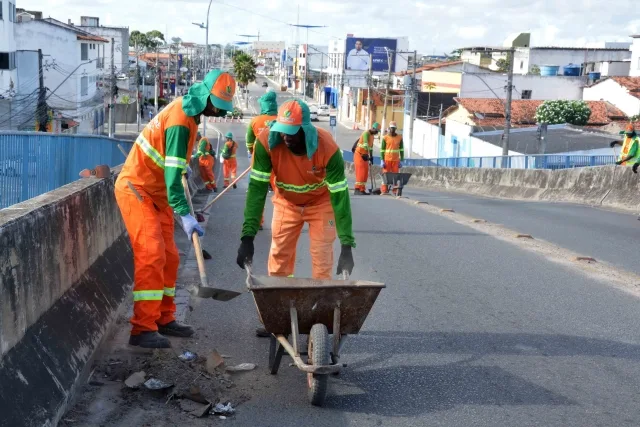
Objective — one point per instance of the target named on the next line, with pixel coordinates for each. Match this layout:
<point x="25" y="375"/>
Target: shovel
<point x="204" y="291"/>
<point x="208" y="205"/>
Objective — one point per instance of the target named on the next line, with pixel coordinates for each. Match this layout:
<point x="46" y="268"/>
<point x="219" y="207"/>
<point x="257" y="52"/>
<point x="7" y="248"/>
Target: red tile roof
<point x="430" y="67"/>
<point x="632" y="84"/>
<point x="92" y="38"/>
<point x="523" y="112"/>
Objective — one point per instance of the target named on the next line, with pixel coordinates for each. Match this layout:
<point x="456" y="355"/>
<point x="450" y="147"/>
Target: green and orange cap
<point x="218" y="86"/>
<point x="293" y="115"/>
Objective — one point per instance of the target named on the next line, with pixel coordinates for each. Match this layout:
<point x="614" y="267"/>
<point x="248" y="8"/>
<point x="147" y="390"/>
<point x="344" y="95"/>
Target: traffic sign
<point x="332" y="121"/>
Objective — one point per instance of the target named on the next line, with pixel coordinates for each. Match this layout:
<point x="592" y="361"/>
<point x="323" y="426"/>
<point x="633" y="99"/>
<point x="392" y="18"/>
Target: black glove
<point x="345" y="262"/>
<point x="619" y="162"/>
<point x="635" y="167"/>
<point x="614" y="143"/>
<point x="245" y="252"/>
<point x="365" y="157"/>
<point x="371" y="160"/>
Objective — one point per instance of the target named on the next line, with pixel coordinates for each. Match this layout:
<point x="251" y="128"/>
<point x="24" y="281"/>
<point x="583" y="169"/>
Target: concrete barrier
<point x="610" y="186"/>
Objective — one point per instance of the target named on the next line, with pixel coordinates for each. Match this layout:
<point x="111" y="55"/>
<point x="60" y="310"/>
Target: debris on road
<point x="135" y="380"/>
<point x="156" y="384"/>
<point x="188" y="356"/>
<point x="221" y="409"/>
<point x="241" y="367"/>
<point x="202" y="411"/>
<point x="214" y="361"/>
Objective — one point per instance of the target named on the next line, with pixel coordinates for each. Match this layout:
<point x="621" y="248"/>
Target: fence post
<point x="494" y="162"/>
<point x="526" y="162"/>
<point x="509" y="162"/>
<point x="480" y="162"/>
<point x="25" y="170"/>
<point x="567" y="162"/>
<point x="592" y="161"/>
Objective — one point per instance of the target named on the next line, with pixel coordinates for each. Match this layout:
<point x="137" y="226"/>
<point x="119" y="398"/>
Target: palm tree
<point x="429" y="86"/>
<point x="245" y="70"/>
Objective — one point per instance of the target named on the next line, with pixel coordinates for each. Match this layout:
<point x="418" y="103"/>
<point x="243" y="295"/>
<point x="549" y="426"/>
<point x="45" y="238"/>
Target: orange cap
<point x="630" y="128"/>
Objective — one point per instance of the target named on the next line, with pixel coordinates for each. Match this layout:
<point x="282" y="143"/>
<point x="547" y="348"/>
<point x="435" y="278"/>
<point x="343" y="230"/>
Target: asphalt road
<point x="605" y="235"/>
<point x="470" y="330"/>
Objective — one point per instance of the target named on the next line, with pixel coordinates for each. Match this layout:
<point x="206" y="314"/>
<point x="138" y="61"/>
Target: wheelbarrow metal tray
<point x="393" y="178"/>
<point x="314" y="301"/>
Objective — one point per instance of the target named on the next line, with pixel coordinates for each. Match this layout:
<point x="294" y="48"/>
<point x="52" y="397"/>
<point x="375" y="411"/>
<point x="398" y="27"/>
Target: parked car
<point x="235" y="114"/>
<point x="313" y="114"/>
<point x="265" y="84"/>
<point x="323" y="110"/>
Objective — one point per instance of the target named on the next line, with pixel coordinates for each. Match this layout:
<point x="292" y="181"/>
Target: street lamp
<point x="206" y="49"/>
<point x="306" y="62"/>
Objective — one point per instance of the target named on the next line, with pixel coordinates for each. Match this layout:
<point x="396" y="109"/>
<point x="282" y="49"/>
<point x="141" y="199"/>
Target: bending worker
<point x="149" y="190"/>
<point x="363" y="157"/>
<point x="207" y="162"/>
<point x="630" y="154"/>
<point x="228" y="159"/>
<point x="310" y="186"/>
<point x="391" y="153"/>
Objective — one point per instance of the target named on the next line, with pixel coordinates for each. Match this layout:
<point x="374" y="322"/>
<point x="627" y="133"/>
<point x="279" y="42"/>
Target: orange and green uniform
<point x="154" y="168"/>
<point x="308" y="188"/>
<point x="207" y="160"/>
<point x="392" y="153"/>
<point x="230" y="165"/>
<point x="364" y="151"/>
<point x="630" y="148"/>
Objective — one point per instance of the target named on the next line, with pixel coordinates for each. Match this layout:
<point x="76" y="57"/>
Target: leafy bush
<point x="560" y="112"/>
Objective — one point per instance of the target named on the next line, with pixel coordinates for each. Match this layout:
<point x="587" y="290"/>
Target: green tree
<point x="455" y="54"/>
<point x="503" y="65"/>
<point x="535" y="70"/>
<point x="555" y="112"/>
<point x="125" y="101"/>
<point x="429" y="86"/>
<point x="244" y="68"/>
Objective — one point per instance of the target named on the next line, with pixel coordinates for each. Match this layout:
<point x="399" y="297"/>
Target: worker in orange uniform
<point x="630" y="154"/>
<point x="363" y="157"/>
<point x="310" y="186"/>
<point x="228" y="159"/>
<point x="207" y="161"/>
<point x="149" y="190"/>
<point x="391" y="153"/>
<point x="268" y="114"/>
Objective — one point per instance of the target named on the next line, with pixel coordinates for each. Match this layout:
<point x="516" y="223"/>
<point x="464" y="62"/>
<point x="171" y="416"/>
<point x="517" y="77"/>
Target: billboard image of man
<point x="358" y="58"/>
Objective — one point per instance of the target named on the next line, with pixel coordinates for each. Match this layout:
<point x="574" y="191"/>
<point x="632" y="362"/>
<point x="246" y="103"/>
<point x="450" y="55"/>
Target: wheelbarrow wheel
<point x="319" y="355"/>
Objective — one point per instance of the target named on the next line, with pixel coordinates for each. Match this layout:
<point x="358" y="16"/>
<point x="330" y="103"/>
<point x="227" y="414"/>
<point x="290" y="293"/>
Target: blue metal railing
<point x="548" y="161"/>
<point x="34" y="163"/>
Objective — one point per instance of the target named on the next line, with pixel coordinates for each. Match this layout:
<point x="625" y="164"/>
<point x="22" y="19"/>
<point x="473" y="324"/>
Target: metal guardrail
<point x="34" y="163"/>
<point x="548" y="161"/>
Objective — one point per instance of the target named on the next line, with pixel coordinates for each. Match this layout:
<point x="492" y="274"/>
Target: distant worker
<point x="363" y="157"/>
<point x="391" y="153"/>
<point x="207" y="162"/>
<point x="230" y="163"/>
<point x="149" y="190"/>
<point x="630" y="154"/>
<point x="310" y="187"/>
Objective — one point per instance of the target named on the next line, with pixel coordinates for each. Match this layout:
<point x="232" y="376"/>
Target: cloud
<point x="429" y="25"/>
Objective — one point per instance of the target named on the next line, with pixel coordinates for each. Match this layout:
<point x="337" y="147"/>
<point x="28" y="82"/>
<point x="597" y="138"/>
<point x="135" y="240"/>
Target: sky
<point x="433" y="27"/>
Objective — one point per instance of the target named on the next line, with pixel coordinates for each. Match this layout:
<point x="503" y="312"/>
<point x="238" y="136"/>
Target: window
<point x="1" y="11"/>
<point x="84" y="86"/>
<point x="7" y="60"/>
<point x="521" y="65"/>
<point x="12" y="12"/>
<point x="526" y="94"/>
<point x="84" y="52"/>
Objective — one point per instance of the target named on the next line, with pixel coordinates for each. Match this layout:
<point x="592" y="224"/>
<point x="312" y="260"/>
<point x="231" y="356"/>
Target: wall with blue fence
<point x="34" y="163"/>
<point x="548" y="161"/>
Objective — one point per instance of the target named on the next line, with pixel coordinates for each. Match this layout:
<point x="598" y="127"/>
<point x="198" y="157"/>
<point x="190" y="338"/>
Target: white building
<point x="8" y="73"/>
<point x="635" y="57"/>
<point x="120" y="36"/>
<point x="623" y="92"/>
<point x="72" y="73"/>
<point x="493" y="85"/>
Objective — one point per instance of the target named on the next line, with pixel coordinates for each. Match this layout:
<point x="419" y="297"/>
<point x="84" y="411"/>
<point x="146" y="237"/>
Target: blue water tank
<point x="594" y="75"/>
<point x="572" y="70"/>
<point x="549" y="70"/>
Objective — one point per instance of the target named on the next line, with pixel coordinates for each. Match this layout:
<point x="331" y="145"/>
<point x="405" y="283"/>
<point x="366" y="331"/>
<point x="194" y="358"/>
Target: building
<point x="623" y="92"/>
<point x="530" y="59"/>
<point x="634" y="70"/>
<point x="525" y="86"/>
<point x="120" y="36"/>
<point x="72" y="72"/>
<point x="311" y="61"/>
<point x="8" y="74"/>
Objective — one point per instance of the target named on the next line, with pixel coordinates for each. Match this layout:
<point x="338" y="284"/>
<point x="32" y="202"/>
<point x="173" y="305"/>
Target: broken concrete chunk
<point x="214" y="360"/>
<point x="135" y="380"/>
<point x="241" y="367"/>
<point x="201" y="411"/>
<point x="156" y="384"/>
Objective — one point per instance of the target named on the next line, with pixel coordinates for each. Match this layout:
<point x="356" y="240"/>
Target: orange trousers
<point x="207" y="163"/>
<point x="288" y="220"/>
<point x="230" y="168"/>
<point x="362" y="172"/>
<point x="155" y="260"/>
<point x="391" y="167"/>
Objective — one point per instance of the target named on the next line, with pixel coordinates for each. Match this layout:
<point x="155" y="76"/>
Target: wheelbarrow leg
<point x="276" y="351"/>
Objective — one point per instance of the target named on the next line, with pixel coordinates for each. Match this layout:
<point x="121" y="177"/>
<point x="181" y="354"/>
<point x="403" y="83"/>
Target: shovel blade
<point x="214" y="293"/>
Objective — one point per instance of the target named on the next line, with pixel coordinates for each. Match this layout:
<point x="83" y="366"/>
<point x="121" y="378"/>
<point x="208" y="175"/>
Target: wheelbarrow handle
<point x="248" y="268"/>
<point x="345" y="275"/>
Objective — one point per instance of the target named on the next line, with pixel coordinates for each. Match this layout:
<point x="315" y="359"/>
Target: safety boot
<point x="175" y="329"/>
<point x="149" y="339"/>
<point x="262" y="333"/>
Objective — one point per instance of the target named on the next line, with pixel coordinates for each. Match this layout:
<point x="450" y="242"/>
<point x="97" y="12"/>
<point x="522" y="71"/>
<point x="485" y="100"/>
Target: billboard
<point x="358" y="50"/>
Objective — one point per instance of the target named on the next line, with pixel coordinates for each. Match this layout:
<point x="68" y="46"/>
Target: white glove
<point x="190" y="224"/>
<point x="221" y="159"/>
<point x="382" y="162"/>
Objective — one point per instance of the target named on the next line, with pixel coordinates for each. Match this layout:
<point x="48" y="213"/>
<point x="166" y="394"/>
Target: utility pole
<point x="112" y="79"/>
<point x="367" y="121"/>
<point x="412" y="116"/>
<point x="41" y="111"/>
<point x="386" y="95"/>
<point x="507" y="108"/>
<point x="175" y="92"/>
<point x="306" y="66"/>
<point x="137" y="86"/>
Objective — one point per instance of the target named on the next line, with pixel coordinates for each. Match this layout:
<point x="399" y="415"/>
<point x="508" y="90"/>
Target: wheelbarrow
<point x="291" y="307"/>
<point x="396" y="181"/>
